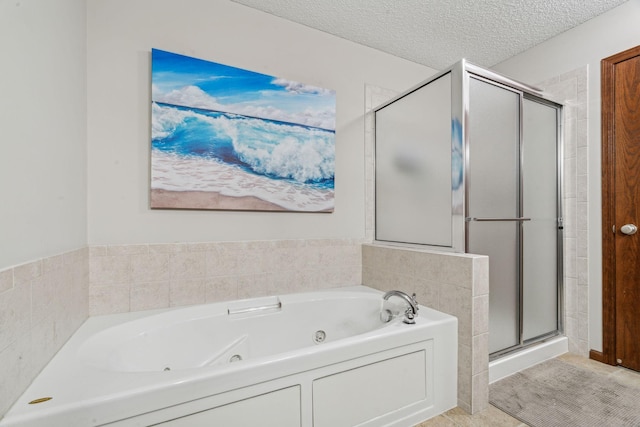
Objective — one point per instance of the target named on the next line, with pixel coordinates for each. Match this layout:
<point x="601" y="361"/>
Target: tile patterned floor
<point x="490" y="417"/>
<point x="493" y="417"/>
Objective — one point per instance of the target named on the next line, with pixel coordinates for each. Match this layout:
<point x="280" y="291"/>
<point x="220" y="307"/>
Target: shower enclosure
<point x="469" y="161"/>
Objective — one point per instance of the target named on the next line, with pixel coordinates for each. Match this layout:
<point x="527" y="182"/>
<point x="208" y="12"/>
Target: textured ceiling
<point x="437" y="33"/>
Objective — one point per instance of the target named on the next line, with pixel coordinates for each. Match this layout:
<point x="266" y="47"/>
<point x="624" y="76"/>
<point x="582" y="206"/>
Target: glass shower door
<point x="541" y="265"/>
<point x="513" y="211"/>
<point x="493" y="187"/>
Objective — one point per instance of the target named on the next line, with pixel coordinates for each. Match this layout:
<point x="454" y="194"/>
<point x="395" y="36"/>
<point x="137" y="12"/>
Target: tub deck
<point x="406" y="371"/>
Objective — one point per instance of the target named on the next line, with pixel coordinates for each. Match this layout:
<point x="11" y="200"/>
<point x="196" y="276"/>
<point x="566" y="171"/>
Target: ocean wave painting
<point x="227" y="138"/>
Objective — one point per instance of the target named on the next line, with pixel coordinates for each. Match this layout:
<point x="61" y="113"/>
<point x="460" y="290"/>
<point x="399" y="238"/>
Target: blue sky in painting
<point x="187" y="81"/>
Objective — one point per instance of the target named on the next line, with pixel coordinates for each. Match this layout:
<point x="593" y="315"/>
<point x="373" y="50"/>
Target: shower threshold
<point x="514" y="362"/>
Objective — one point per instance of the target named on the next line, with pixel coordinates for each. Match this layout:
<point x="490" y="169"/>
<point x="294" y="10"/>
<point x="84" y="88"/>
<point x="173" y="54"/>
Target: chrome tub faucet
<point x="412" y="310"/>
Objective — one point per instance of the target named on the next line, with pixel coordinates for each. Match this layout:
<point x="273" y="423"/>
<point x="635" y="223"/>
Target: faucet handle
<point x="415" y="301"/>
<point x="409" y="316"/>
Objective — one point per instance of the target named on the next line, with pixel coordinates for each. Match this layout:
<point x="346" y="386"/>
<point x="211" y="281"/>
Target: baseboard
<point x="597" y="356"/>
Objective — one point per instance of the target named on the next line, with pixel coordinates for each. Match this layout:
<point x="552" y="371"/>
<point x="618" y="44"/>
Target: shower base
<point x="515" y="362"/>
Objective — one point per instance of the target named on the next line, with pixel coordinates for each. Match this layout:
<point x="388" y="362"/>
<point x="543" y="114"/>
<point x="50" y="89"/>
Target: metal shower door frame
<point x="466" y="71"/>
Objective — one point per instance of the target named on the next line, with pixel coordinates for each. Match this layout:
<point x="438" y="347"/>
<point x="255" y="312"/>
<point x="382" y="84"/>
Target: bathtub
<point x="317" y="359"/>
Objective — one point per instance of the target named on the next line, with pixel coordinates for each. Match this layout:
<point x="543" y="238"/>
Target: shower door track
<point x="524" y="345"/>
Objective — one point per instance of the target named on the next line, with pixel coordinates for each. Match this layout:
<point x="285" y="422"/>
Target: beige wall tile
<point x="43" y="340"/>
<point x="480" y="392"/>
<point x="15" y="314"/>
<point x="582" y="216"/>
<point x="252" y="261"/>
<point x="425" y="273"/>
<point x="570" y="138"/>
<point x="457" y="271"/>
<point x="570" y="218"/>
<point x="95" y="251"/>
<point x="480" y="275"/>
<point x="251" y="286"/>
<point x="571" y="297"/>
<point x="583" y="134"/>
<point x="6" y="280"/>
<point x="570" y="258"/>
<point x="109" y="299"/>
<point x="52" y="264"/>
<point x="188" y="265"/>
<point x="570" y="178"/>
<point x="79" y="258"/>
<point x="458" y="302"/>
<point x="107" y="270"/>
<point x="149" y="267"/>
<point x="45" y="296"/>
<point x="581" y="247"/>
<point x="47" y="304"/>
<point x="480" y="353"/>
<point x="26" y="272"/>
<point x="480" y="315"/>
<point x="187" y="292"/>
<point x="222" y="262"/>
<point x="16" y="371"/>
<point x="221" y="288"/>
<point x="582" y="305"/>
<point x="168" y="248"/>
<point x="465" y="376"/>
<point x="310" y="264"/>
<point x="427" y="291"/>
<point x="149" y="296"/>
<point x="117" y="250"/>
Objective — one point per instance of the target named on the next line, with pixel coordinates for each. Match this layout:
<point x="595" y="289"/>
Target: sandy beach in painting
<point x="164" y="199"/>
<point x="190" y="182"/>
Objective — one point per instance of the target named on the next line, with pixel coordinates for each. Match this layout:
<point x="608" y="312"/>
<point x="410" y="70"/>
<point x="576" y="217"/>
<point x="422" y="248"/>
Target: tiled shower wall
<point x="457" y="284"/>
<point x="42" y="303"/>
<point x="571" y="90"/>
<point x="141" y="277"/>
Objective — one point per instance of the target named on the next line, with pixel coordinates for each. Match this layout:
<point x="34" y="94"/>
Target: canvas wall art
<point x="232" y="139"/>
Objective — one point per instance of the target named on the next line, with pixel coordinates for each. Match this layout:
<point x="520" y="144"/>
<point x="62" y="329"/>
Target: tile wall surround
<point x="149" y="276"/>
<point x="457" y="284"/>
<point x="42" y="303"/>
<point x="571" y="89"/>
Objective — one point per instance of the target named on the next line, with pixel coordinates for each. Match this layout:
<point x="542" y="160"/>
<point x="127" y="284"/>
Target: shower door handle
<point x="497" y="219"/>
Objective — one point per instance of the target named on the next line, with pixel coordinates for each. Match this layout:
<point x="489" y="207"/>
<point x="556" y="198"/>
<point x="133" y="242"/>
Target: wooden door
<point x="621" y="208"/>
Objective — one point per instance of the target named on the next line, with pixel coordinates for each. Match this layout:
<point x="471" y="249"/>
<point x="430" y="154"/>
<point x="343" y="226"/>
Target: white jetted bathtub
<point x="311" y="359"/>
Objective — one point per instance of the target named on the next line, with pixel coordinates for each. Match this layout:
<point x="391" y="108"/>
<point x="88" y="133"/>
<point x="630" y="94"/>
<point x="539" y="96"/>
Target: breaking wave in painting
<point x="287" y="164"/>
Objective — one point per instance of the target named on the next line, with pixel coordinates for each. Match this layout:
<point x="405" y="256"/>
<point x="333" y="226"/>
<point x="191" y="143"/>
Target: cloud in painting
<point x="300" y="88"/>
<point x="193" y="96"/>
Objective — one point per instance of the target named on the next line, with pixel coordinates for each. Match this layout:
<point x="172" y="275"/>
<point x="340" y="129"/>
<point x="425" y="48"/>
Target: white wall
<point x="610" y="33"/>
<point x="121" y="34"/>
<point x="42" y="129"/>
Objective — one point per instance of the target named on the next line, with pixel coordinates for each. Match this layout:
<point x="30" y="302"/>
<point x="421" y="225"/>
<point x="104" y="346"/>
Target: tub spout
<point x="412" y="310"/>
